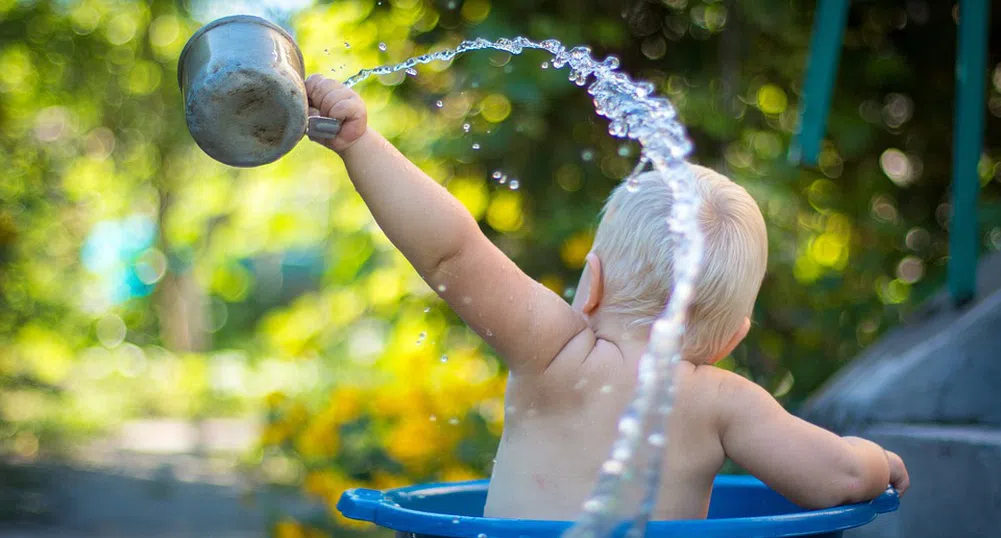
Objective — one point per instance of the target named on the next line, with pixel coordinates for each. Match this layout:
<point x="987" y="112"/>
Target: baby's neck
<point x="622" y="330"/>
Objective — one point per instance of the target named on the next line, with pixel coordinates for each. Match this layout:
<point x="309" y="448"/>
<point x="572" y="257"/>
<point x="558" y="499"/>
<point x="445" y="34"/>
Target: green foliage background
<point x="271" y="292"/>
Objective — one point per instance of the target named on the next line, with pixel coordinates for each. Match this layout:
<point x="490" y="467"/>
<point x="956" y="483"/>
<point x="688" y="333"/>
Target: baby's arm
<point x="524" y="321"/>
<point x="807" y="464"/>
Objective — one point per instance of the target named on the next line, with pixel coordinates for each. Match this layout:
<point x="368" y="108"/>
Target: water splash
<point x="633" y="113"/>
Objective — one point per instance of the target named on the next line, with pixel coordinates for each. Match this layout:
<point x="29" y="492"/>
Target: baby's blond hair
<point x="637" y="256"/>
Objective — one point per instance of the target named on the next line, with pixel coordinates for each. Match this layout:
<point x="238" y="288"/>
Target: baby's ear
<point x="595" y="283"/>
<point x="737" y="338"/>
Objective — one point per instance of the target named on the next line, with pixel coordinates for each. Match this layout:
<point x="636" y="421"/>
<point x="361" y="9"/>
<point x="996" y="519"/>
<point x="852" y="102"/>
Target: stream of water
<point x="634" y="113"/>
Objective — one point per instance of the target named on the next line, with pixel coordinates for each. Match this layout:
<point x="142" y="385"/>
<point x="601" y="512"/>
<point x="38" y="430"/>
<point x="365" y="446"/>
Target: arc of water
<point x="633" y="112"/>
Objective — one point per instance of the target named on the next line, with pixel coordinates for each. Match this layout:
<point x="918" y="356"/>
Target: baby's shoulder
<point x="705" y="387"/>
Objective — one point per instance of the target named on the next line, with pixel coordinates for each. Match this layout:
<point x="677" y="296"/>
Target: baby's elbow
<point x="845" y="488"/>
<point x="861" y="488"/>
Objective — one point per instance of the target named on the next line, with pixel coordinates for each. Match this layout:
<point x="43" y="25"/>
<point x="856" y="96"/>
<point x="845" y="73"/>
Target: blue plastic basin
<point x="741" y="506"/>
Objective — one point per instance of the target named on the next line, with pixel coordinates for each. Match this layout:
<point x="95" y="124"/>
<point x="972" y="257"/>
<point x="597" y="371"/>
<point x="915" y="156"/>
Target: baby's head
<point x="636" y="258"/>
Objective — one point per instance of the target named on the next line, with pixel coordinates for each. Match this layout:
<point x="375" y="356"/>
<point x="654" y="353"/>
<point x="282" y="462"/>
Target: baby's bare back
<point x="560" y="426"/>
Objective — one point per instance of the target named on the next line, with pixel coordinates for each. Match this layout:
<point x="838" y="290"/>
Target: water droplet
<point x="656" y="439"/>
<point x="466" y="127"/>
<point x="497" y="174"/>
<point x="514" y="184"/>
<point x="442" y="287"/>
<point x="382" y="46"/>
<point x="439" y="104"/>
<point x="455" y="521"/>
<point x="451" y="5"/>
<point x="412" y="72"/>
<point x="545" y="65"/>
<point x="444" y="358"/>
<point x="347" y="45"/>
<point x="624" y="150"/>
<point x="593" y="505"/>
<point x="433" y="418"/>
<point x="587" y="155"/>
<point x="489" y="332"/>
<point x="427" y="309"/>
<point x="326" y="51"/>
<point x="453" y="421"/>
<point x="476" y="146"/>
<point x="606" y="389"/>
<point x="502" y="180"/>
<point x="613" y="467"/>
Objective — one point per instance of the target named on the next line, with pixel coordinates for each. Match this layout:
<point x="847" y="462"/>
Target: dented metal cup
<point x="242" y="79"/>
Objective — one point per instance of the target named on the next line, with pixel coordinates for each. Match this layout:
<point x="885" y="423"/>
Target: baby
<point x="573" y="368"/>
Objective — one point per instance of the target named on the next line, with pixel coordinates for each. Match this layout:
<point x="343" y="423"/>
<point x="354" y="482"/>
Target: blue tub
<point x="741" y="506"/>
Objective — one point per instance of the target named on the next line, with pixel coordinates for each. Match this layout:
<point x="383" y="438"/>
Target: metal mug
<point x="244" y="95"/>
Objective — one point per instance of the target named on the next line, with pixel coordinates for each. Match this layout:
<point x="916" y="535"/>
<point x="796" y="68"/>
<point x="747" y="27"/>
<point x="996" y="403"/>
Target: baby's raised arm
<point x="524" y="321"/>
<point x="807" y="464"/>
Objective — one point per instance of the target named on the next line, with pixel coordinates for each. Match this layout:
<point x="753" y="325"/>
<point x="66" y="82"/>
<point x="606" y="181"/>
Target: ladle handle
<point x="322" y="128"/>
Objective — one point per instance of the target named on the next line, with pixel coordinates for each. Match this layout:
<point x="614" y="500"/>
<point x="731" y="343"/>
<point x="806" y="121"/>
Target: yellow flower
<point x="317" y="441"/>
<point x="274" y="434"/>
<point x="289" y="529"/>
<point x="384" y="480"/>
<point x="416" y="441"/>
<point x="346" y="404"/>
<point x="275" y="399"/>
<point x="325" y="484"/>
<point x="459" y="473"/>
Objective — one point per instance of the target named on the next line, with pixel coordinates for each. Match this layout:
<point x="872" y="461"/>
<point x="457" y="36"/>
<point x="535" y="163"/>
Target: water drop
<point x="545" y="65"/>
<point x="593" y="505"/>
<point x="442" y="287"/>
<point x="433" y="418"/>
<point x="451" y="5"/>
<point x="633" y="184"/>
<point x="481" y="535"/>
<point x="347" y="45"/>
<point x="453" y="421"/>
<point x="587" y="155"/>
<point x="624" y="150"/>
<point x="411" y="71"/>
<point x="466" y="127"/>
<point x="455" y="521"/>
<point x="497" y="174"/>
<point x="502" y="180"/>
<point x="326" y="51"/>
<point x="476" y="146"/>
<point x="514" y="184"/>
<point x="382" y="46"/>
<point x="606" y="389"/>
<point x="444" y="358"/>
<point x="439" y="104"/>
<point x="427" y="309"/>
<point x="613" y="467"/>
<point x="656" y="439"/>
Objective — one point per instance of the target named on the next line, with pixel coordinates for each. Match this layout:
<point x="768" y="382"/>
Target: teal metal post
<point x="821" y="72"/>
<point x="968" y="130"/>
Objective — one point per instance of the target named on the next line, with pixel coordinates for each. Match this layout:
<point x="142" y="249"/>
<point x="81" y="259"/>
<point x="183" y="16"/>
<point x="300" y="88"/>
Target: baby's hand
<point x="898" y="473"/>
<point x="332" y="99"/>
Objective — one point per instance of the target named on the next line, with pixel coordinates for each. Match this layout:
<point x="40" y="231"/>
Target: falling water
<point x="634" y="113"/>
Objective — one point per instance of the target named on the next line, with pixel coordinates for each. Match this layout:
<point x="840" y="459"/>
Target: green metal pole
<point x="971" y="66"/>
<point x="821" y="72"/>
